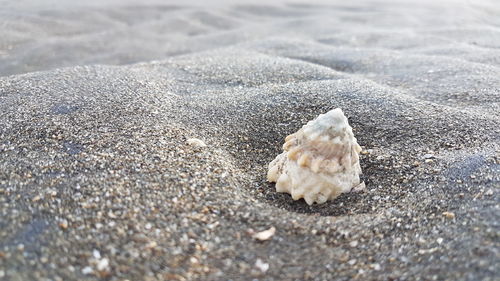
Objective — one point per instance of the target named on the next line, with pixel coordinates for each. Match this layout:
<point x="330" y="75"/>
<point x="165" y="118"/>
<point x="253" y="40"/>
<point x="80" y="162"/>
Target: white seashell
<point x="320" y="161"/>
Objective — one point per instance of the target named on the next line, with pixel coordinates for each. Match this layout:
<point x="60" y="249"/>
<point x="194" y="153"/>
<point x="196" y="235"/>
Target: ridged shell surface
<point x="320" y="161"/>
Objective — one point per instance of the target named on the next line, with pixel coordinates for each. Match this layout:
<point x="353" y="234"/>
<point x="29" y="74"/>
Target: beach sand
<point x="97" y="101"/>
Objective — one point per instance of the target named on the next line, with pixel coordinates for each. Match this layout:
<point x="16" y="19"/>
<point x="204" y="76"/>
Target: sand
<point x="97" y="102"/>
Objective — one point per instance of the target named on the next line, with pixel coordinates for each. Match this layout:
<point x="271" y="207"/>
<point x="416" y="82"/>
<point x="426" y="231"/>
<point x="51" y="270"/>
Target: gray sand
<point x="97" y="181"/>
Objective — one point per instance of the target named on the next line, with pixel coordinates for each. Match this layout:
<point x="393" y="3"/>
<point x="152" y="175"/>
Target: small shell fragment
<point x="265" y="235"/>
<point x="195" y="142"/>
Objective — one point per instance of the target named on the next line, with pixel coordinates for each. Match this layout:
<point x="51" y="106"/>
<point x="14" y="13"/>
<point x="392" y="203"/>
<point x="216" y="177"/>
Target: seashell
<point x="195" y="142"/>
<point x="320" y="161"/>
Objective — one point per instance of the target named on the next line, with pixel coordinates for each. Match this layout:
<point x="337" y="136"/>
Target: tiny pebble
<point x="151" y="245"/>
<point x="449" y="215"/>
<point x="87" y="270"/>
<point x="103" y="264"/>
<point x="63" y="224"/>
<point x="262" y="266"/>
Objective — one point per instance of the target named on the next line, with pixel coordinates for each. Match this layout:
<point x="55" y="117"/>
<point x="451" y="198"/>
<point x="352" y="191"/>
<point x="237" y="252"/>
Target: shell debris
<point x="195" y="142"/>
<point x="265" y="235"/>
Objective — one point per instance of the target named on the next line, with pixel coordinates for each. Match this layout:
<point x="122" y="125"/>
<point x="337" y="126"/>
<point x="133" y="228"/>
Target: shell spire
<point x="320" y="161"/>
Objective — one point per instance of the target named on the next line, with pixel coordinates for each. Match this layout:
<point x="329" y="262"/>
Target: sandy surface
<point x="97" y="181"/>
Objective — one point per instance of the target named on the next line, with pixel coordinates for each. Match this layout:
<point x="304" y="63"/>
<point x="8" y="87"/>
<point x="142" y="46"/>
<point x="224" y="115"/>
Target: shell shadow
<point x="338" y="207"/>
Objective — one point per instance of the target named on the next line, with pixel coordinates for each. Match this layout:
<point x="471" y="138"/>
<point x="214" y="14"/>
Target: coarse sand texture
<point x="136" y="136"/>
